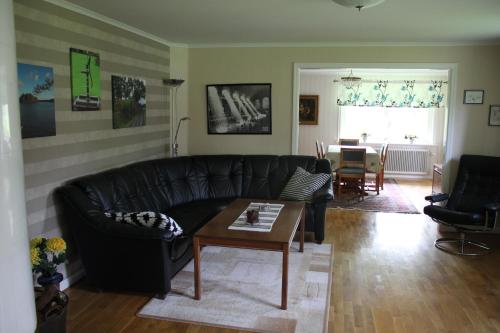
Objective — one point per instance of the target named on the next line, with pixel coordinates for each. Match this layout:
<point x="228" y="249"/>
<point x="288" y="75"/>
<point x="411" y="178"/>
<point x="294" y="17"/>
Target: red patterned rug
<point x="390" y="200"/>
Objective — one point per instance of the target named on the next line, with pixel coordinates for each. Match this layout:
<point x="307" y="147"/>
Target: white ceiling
<point x="205" y="22"/>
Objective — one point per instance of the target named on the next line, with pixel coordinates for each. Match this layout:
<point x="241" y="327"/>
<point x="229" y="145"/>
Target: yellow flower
<point x="56" y="245"/>
<point x="35" y="256"/>
<point x="35" y="241"/>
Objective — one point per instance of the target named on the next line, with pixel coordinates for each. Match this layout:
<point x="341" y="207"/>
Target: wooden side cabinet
<point x="437" y="178"/>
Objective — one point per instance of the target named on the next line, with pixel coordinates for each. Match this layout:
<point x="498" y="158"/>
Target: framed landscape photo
<point x="494" y="119"/>
<point x="308" y="109"/>
<point x="85" y="80"/>
<point x="129" y="101"/>
<point x="36" y="100"/>
<point x="473" y="96"/>
<point x="243" y="108"/>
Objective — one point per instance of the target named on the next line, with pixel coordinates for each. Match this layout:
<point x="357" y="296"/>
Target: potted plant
<point x="410" y="137"/>
<point x="51" y="303"/>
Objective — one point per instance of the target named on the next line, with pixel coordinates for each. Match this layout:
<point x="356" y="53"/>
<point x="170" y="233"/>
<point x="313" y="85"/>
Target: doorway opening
<point x="408" y="106"/>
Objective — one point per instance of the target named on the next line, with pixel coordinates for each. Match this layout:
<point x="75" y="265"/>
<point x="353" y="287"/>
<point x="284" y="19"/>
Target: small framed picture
<point x="473" y="96"/>
<point x="308" y="109"/>
<point x="494" y="119"/>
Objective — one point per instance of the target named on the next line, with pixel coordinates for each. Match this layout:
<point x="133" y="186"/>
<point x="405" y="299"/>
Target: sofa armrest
<point x="323" y="166"/>
<point x="494" y="206"/>
<point x="94" y="218"/>
<point x="324" y="194"/>
<point x="437" y="197"/>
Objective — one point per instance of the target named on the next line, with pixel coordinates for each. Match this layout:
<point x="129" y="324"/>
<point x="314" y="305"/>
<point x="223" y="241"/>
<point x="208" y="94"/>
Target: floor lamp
<point x="174" y="84"/>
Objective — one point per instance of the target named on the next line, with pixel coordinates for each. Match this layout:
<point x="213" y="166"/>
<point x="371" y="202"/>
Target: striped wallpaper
<point x="85" y="141"/>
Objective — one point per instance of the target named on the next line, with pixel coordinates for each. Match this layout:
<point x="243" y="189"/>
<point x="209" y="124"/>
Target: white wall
<point x="477" y="65"/>
<point x="478" y="68"/>
<point x="326" y="130"/>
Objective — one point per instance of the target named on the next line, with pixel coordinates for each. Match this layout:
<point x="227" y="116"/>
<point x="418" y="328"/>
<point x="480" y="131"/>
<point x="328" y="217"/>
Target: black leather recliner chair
<point x="473" y="206"/>
<point x="191" y="190"/>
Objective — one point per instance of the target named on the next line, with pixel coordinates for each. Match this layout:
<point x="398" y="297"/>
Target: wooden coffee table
<point x="216" y="232"/>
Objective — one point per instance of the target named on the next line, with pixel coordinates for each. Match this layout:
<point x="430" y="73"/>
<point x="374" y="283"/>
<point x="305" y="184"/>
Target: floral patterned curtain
<point x="405" y="93"/>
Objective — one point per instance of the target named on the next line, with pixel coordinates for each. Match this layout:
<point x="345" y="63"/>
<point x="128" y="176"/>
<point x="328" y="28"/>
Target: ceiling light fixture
<point x="359" y="4"/>
<point x="350" y="81"/>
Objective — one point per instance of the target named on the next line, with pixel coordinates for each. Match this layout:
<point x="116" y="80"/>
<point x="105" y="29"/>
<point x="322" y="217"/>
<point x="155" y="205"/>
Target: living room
<point x="203" y="45"/>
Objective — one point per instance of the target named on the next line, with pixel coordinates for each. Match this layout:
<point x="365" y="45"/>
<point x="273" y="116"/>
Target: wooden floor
<point x="387" y="277"/>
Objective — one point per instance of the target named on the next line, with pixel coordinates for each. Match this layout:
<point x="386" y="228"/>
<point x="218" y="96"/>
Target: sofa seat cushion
<point x="192" y="216"/>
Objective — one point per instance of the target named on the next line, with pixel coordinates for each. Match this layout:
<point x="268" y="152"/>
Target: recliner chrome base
<point x="460" y="248"/>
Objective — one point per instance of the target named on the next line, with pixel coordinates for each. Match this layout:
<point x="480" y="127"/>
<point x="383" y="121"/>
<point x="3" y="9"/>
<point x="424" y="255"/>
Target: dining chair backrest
<point x="318" y="152"/>
<point x="382" y="152"/>
<point x="383" y="155"/>
<point x="353" y="158"/>
<point x="349" y="142"/>
<point x="322" y="150"/>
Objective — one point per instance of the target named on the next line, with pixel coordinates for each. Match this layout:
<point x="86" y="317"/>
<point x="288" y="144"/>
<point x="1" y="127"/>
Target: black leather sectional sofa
<point x="191" y="190"/>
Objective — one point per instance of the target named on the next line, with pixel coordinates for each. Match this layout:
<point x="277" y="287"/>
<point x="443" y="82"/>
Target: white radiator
<point x="410" y="161"/>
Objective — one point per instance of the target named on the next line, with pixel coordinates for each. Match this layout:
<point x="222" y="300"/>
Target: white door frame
<point x="452" y="69"/>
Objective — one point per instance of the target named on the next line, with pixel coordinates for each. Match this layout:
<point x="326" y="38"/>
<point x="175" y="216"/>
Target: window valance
<point x="405" y="93"/>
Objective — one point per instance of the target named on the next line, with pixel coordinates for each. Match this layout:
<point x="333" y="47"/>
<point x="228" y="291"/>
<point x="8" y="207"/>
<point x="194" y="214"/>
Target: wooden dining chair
<point x="383" y="159"/>
<point x="379" y="173"/>
<point x="349" y="142"/>
<point x="351" y="173"/>
<point x="322" y="150"/>
<point x="318" y="152"/>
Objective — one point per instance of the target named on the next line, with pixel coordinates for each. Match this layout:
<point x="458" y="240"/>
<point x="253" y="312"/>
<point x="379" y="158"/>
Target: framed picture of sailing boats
<point x="85" y="80"/>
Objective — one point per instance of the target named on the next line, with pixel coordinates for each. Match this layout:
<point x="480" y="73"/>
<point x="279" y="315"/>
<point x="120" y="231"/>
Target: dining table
<point x="372" y="157"/>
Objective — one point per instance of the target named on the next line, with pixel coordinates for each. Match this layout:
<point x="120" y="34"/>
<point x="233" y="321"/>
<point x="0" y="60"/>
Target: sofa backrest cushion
<point x="219" y="176"/>
<point x="179" y="180"/>
<point x="132" y="188"/>
<point x="265" y="176"/>
<point x="158" y="185"/>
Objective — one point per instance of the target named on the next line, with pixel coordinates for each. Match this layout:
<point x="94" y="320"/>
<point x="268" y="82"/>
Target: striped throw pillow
<point x="303" y="184"/>
<point x="147" y="219"/>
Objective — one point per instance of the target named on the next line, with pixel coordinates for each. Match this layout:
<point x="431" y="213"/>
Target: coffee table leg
<point x="197" y="272"/>
<point x="284" y="279"/>
<point x="302" y="230"/>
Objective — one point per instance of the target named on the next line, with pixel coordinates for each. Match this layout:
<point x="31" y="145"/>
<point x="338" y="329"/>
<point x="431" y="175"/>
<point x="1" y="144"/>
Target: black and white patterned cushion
<point x="147" y="219"/>
<point x="303" y="184"/>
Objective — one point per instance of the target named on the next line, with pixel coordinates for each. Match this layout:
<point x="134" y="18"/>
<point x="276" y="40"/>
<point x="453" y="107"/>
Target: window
<point x="389" y="124"/>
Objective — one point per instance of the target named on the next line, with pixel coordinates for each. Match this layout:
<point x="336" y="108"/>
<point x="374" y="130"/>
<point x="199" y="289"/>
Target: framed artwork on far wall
<point x="473" y="96"/>
<point x="308" y="109"/>
<point x="85" y="80"/>
<point x="243" y="108"/>
<point x="494" y="118"/>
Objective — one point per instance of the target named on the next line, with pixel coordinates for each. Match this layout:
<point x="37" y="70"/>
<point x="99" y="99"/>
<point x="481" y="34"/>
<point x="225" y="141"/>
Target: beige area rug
<point x="241" y="289"/>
